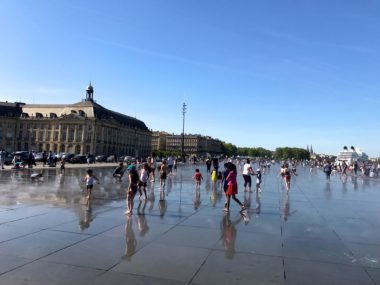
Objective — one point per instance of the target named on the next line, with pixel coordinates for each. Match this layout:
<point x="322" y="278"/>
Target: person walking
<point x="247" y="172"/>
<point x="232" y="189"/>
<point x="197" y="178"/>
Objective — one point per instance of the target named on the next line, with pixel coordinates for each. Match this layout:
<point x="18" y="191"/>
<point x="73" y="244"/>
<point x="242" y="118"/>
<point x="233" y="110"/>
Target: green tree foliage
<point x="229" y="149"/>
<point x="254" y="152"/>
<point x="291" y="153"/>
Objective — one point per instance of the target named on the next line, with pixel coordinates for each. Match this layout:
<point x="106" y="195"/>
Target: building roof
<point x="87" y="108"/>
<point x="10" y="109"/>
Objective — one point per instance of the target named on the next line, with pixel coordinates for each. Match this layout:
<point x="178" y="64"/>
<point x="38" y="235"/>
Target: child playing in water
<point x="144" y="175"/>
<point x="133" y="178"/>
<point x="197" y="178"/>
<point x="258" y="180"/>
<point x="220" y="179"/>
<point x="89" y="178"/>
<point x="214" y="177"/>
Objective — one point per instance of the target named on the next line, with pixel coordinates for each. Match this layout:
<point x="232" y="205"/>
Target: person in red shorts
<point x="232" y="189"/>
<point x="197" y="178"/>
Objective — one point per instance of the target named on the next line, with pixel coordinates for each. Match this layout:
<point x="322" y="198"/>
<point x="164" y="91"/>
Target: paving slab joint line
<point x="196" y="272"/>
<point x="117" y="263"/>
<point x="25" y="218"/>
<point x="370" y="277"/>
<point x="38" y="230"/>
<point x="17" y="267"/>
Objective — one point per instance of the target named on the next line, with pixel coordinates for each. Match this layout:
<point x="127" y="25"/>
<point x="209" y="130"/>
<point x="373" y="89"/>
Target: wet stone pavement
<point x="318" y="233"/>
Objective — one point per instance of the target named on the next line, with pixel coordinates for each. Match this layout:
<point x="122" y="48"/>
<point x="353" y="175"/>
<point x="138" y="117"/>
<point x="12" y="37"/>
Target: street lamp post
<point x="183" y="131"/>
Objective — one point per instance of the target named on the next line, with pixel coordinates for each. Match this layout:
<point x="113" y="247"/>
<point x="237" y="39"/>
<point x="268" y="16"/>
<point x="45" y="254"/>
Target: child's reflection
<point x="142" y="223"/>
<point x="86" y="219"/>
<point x="130" y="239"/>
<point x="197" y="199"/>
<point x="286" y="207"/>
<point x="229" y="234"/>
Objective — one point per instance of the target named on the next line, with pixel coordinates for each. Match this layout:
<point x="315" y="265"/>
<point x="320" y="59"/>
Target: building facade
<point x="84" y="127"/>
<point x="193" y="145"/>
<point x="159" y="141"/>
<point x="9" y="116"/>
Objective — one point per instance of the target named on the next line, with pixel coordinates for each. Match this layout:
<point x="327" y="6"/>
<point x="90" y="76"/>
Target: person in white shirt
<point x="247" y="172"/>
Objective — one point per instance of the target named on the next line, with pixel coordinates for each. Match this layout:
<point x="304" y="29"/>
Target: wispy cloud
<point x="175" y="58"/>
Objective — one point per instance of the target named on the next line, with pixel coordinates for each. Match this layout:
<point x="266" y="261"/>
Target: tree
<point x="291" y="153"/>
<point x="229" y="149"/>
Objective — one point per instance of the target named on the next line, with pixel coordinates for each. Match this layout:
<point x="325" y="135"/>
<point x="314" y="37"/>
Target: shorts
<point x="225" y="187"/>
<point x="163" y="175"/>
<point x="232" y="189"/>
<point x="142" y="184"/>
<point x="133" y="188"/>
<point x="90" y="186"/>
<point x="287" y="178"/>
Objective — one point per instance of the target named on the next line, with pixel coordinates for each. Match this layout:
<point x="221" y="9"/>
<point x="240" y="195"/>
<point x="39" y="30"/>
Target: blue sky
<point x="253" y="73"/>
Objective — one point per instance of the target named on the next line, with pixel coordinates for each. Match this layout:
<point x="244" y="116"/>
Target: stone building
<point x="159" y="141"/>
<point x="9" y="116"/>
<point x="83" y="127"/>
<point x="194" y="145"/>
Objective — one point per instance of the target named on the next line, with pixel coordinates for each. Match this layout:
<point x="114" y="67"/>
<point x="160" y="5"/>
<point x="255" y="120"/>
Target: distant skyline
<point x="253" y="73"/>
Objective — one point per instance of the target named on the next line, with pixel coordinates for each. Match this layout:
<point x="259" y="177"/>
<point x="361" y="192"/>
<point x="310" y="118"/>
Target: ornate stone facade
<point x="193" y="144"/>
<point x="84" y="127"/>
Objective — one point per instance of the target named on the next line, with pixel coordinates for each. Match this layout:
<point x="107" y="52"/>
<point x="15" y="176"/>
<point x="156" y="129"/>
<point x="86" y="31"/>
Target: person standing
<point x="62" y="166"/>
<point x="2" y="158"/>
<point x="133" y="178"/>
<point x="327" y="168"/>
<point x="208" y="165"/>
<point x="215" y="163"/>
<point x="286" y="176"/>
<point x="170" y="162"/>
<point x="247" y="172"/>
<point x="163" y="174"/>
<point x="90" y="179"/>
<point x="356" y="166"/>
<point x="144" y="176"/>
<point x="258" y="181"/>
<point x="153" y="166"/>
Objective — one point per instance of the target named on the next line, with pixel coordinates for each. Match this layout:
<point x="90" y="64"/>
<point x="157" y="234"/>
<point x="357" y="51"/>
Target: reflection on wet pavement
<point x="318" y="231"/>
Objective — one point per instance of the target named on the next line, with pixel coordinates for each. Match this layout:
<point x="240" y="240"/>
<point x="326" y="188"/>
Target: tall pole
<point x="183" y="130"/>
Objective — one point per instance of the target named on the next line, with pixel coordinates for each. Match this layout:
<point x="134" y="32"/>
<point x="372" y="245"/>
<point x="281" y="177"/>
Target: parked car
<point x="22" y="156"/>
<point x="67" y="157"/>
<point x="78" y="158"/>
<point x="128" y="159"/>
<point x="111" y="158"/>
<point x="90" y="158"/>
<point x="101" y="158"/>
<point x="60" y="155"/>
<point x="8" y="158"/>
<point x="38" y="157"/>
